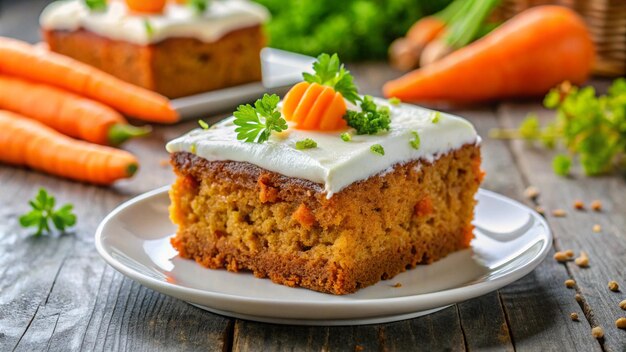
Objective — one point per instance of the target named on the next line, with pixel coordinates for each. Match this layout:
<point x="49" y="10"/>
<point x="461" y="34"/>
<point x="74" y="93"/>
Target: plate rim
<point x="443" y="297"/>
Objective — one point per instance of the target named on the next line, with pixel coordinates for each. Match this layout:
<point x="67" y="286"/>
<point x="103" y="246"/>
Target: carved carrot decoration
<point x="318" y="103"/>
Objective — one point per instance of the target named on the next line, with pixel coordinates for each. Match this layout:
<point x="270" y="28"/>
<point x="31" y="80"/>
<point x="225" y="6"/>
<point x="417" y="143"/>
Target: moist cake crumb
<point x="238" y="216"/>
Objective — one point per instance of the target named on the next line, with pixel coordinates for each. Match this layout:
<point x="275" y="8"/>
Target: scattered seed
<point x="597" y="332"/>
<point x="622" y="304"/>
<point x="613" y="286"/>
<point x="582" y="260"/>
<point x="596" y="205"/>
<point x="579" y="205"/>
<point x="569" y="283"/>
<point x="574" y="316"/>
<point x="559" y="213"/>
<point x="578" y="298"/>
<point x="596" y="228"/>
<point x="540" y="210"/>
<point x="621" y="323"/>
<point x="569" y="253"/>
<point x="531" y="192"/>
<point x="397" y="285"/>
<point x="561" y="257"/>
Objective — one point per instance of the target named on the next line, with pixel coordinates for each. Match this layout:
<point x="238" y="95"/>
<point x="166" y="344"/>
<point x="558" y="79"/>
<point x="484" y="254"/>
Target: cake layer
<point x="174" y="67"/>
<point x="335" y="163"/>
<point x="177" y="21"/>
<point x="239" y="216"/>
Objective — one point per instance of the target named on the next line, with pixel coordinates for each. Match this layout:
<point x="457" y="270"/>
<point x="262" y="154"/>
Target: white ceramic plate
<point x="511" y="240"/>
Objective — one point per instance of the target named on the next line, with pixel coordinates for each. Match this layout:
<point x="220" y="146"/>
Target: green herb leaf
<point x="43" y="212"/>
<point x="435" y="117"/>
<point x="329" y="71"/>
<point x="346" y="137"/>
<point x="148" y="26"/>
<point x="561" y="165"/>
<point x="394" y="101"/>
<point x="96" y="5"/>
<point x="378" y="149"/>
<point x="307" y="143"/>
<point x="415" y="142"/>
<point x="371" y="119"/>
<point x="203" y="124"/>
<point x="590" y="127"/>
<point x="255" y="124"/>
<point x="530" y="128"/>
<point x="198" y="6"/>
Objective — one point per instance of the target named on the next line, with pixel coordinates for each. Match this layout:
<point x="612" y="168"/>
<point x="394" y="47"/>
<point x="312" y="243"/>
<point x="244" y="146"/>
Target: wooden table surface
<point x="57" y="294"/>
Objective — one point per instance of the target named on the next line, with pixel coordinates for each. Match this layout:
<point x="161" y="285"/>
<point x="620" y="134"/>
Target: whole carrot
<point x="404" y="53"/>
<point x="66" y="112"/>
<point x="526" y="56"/>
<point x="26" y="142"/>
<point x="21" y="59"/>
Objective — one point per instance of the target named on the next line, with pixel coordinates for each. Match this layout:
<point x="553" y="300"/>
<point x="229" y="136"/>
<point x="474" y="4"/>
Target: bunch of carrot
<point x="47" y="98"/>
<point x="525" y="56"/>
<point x="433" y="37"/>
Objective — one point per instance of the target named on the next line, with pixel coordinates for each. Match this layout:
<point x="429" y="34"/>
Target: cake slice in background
<point x="177" y="52"/>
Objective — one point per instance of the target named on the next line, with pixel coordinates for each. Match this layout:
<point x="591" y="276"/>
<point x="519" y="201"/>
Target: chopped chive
<point x="415" y="142"/>
<point x="203" y="125"/>
<point x="378" y="149"/>
<point x="307" y="143"/>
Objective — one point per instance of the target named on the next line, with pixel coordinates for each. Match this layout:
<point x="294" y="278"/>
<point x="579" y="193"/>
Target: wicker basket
<point x="606" y="20"/>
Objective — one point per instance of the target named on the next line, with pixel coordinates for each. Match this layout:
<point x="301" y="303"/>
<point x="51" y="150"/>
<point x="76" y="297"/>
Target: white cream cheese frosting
<point x="335" y="163"/>
<point x="118" y="23"/>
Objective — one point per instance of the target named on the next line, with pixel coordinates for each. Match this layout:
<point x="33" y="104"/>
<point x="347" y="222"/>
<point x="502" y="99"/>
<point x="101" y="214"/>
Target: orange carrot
<point x="26" y="142"/>
<point x="526" y="56"/>
<point x="66" y="112"/>
<point x="146" y="6"/>
<point x="425" y="30"/>
<point x="315" y="107"/>
<point x="39" y="65"/>
<point x="405" y="52"/>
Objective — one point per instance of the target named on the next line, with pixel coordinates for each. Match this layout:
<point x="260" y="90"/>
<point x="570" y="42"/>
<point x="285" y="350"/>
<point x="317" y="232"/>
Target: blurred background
<point x="356" y="29"/>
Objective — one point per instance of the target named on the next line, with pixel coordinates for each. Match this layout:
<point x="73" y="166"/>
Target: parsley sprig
<point x="371" y="119"/>
<point x="257" y="122"/>
<point x="329" y="71"/>
<point x="591" y="127"/>
<point x="43" y="212"/>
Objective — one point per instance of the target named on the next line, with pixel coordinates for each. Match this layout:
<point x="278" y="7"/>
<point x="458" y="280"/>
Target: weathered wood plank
<point x="55" y="291"/>
<point x="607" y="250"/>
<point x="537" y="306"/>
<point x="436" y="332"/>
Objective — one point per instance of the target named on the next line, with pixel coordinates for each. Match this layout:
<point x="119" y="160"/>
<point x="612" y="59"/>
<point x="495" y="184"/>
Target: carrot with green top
<point x="21" y="59"/>
<point x="66" y="112"/>
<point x="319" y="103"/>
<point x="26" y="142"/>
<point x="526" y="56"/>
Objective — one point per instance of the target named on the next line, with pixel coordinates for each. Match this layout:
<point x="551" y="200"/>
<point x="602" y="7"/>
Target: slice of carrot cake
<point x="332" y="196"/>
<point x="171" y="48"/>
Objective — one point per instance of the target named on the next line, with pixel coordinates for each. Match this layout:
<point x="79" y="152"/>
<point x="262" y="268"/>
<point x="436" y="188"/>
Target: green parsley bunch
<point x="592" y="128"/>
